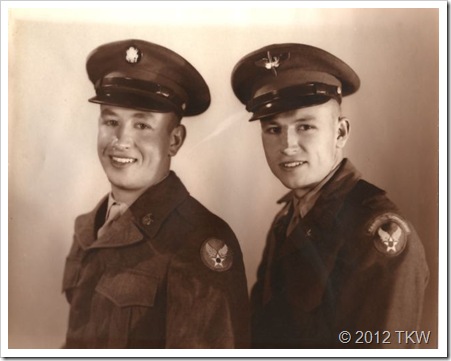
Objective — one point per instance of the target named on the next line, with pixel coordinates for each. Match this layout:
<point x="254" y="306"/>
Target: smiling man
<point x="341" y="266"/>
<point x="150" y="267"/>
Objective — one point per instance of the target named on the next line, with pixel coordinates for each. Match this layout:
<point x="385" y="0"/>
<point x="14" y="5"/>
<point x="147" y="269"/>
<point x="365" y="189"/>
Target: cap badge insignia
<point x="216" y="255"/>
<point x="390" y="233"/>
<point x="133" y="55"/>
<point x="272" y="62"/>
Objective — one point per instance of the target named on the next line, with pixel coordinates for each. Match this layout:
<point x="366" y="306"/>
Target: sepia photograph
<point x="260" y="178"/>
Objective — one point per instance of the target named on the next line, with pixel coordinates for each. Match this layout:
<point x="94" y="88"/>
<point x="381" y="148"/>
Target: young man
<point x="340" y="260"/>
<point x="150" y="267"/>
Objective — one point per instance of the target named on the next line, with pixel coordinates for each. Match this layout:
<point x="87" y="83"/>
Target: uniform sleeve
<point x="385" y="291"/>
<point x="207" y="299"/>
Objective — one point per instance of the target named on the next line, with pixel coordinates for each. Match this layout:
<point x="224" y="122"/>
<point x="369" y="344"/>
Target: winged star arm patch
<point x="216" y="255"/>
<point x="389" y="233"/>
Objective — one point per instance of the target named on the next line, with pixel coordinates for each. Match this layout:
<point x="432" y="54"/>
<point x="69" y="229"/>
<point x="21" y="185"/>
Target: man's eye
<point x="110" y="122"/>
<point x="142" y="126"/>
<point x="305" y="127"/>
<point x="272" y="130"/>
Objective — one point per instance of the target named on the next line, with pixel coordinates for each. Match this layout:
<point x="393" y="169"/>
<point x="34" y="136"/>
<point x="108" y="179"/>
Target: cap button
<point x="147" y="219"/>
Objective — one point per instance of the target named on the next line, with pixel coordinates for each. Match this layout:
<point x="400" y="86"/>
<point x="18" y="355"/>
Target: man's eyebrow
<point x="107" y="112"/>
<point x="306" y="118"/>
<point x="138" y="114"/>
<point x="269" y="122"/>
<point x="275" y="121"/>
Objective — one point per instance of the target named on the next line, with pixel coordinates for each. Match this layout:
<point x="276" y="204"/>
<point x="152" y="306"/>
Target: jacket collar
<point x="157" y="203"/>
<point x="144" y="217"/>
<point x="333" y="192"/>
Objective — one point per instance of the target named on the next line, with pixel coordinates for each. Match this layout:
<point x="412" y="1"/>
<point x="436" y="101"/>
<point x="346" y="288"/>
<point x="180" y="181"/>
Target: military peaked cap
<point x="141" y="75"/>
<point x="282" y="77"/>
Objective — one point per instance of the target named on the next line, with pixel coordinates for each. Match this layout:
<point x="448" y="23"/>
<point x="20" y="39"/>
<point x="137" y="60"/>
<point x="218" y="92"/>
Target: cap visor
<point x="147" y="103"/>
<point x="281" y="106"/>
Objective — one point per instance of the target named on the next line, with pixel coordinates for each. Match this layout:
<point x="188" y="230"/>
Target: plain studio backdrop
<point x="55" y="175"/>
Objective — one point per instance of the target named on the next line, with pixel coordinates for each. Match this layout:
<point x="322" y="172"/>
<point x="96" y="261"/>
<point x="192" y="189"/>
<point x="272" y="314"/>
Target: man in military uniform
<point x="340" y="260"/>
<point x="150" y="267"/>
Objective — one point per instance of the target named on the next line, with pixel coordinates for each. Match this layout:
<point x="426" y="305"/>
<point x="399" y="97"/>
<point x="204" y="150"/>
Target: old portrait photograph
<point x="262" y="178"/>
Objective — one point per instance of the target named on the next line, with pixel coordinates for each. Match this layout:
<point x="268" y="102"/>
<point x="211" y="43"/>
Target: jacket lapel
<point x="86" y="225"/>
<point x="319" y="224"/>
<point x="152" y="209"/>
<point x="122" y="232"/>
<point x="142" y="219"/>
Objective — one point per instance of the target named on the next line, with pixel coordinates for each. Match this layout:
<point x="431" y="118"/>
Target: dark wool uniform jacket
<point x="351" y="264"/>
<point x="168" y="274"/>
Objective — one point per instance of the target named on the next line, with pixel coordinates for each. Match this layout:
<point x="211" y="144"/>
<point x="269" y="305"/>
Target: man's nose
<point x="290" y="142"/>
<point x="123" y="138"/>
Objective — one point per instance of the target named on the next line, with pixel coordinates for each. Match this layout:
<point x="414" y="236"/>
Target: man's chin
<point x="129" y="185"/>
<point x="296" y="185"/>
<point x="123" y="185"/>
<point x="290" y="181"/>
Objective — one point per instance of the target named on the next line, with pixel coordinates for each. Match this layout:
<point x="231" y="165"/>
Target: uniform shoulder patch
<point x="389" y="232"/>
<point x="216" y="255"/>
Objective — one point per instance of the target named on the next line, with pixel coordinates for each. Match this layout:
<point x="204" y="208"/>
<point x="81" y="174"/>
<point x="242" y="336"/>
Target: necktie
<point x="294" y="219"/>
<point x="113" y="213"/>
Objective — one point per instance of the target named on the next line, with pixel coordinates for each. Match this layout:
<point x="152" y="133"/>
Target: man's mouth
<point x="291" y="165"/>
<point x="123" y="160"/>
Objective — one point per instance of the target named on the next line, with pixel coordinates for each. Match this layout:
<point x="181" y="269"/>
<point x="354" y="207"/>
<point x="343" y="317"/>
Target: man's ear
<point x="344" y="129"/>
<point x="177" y="137"/>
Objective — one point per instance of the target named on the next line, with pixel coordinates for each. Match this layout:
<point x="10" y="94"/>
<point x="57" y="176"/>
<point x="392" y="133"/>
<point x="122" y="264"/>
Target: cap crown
<point x="141" y="75"/>
<point x="282" y="77"/>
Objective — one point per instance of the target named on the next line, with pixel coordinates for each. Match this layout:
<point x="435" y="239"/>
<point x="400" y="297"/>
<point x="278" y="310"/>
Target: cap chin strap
<point x="294" y="93"/>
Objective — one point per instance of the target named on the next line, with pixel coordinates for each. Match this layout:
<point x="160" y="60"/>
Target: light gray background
<point x="54" y="173"/>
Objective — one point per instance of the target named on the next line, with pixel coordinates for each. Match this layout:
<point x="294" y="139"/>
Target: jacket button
<point x="147" y="219"/>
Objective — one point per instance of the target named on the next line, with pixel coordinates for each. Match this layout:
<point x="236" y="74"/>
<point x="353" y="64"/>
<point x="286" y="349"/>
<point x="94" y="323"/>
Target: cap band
<point x="294" y="92"/>
<point x="108" y="85"/>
